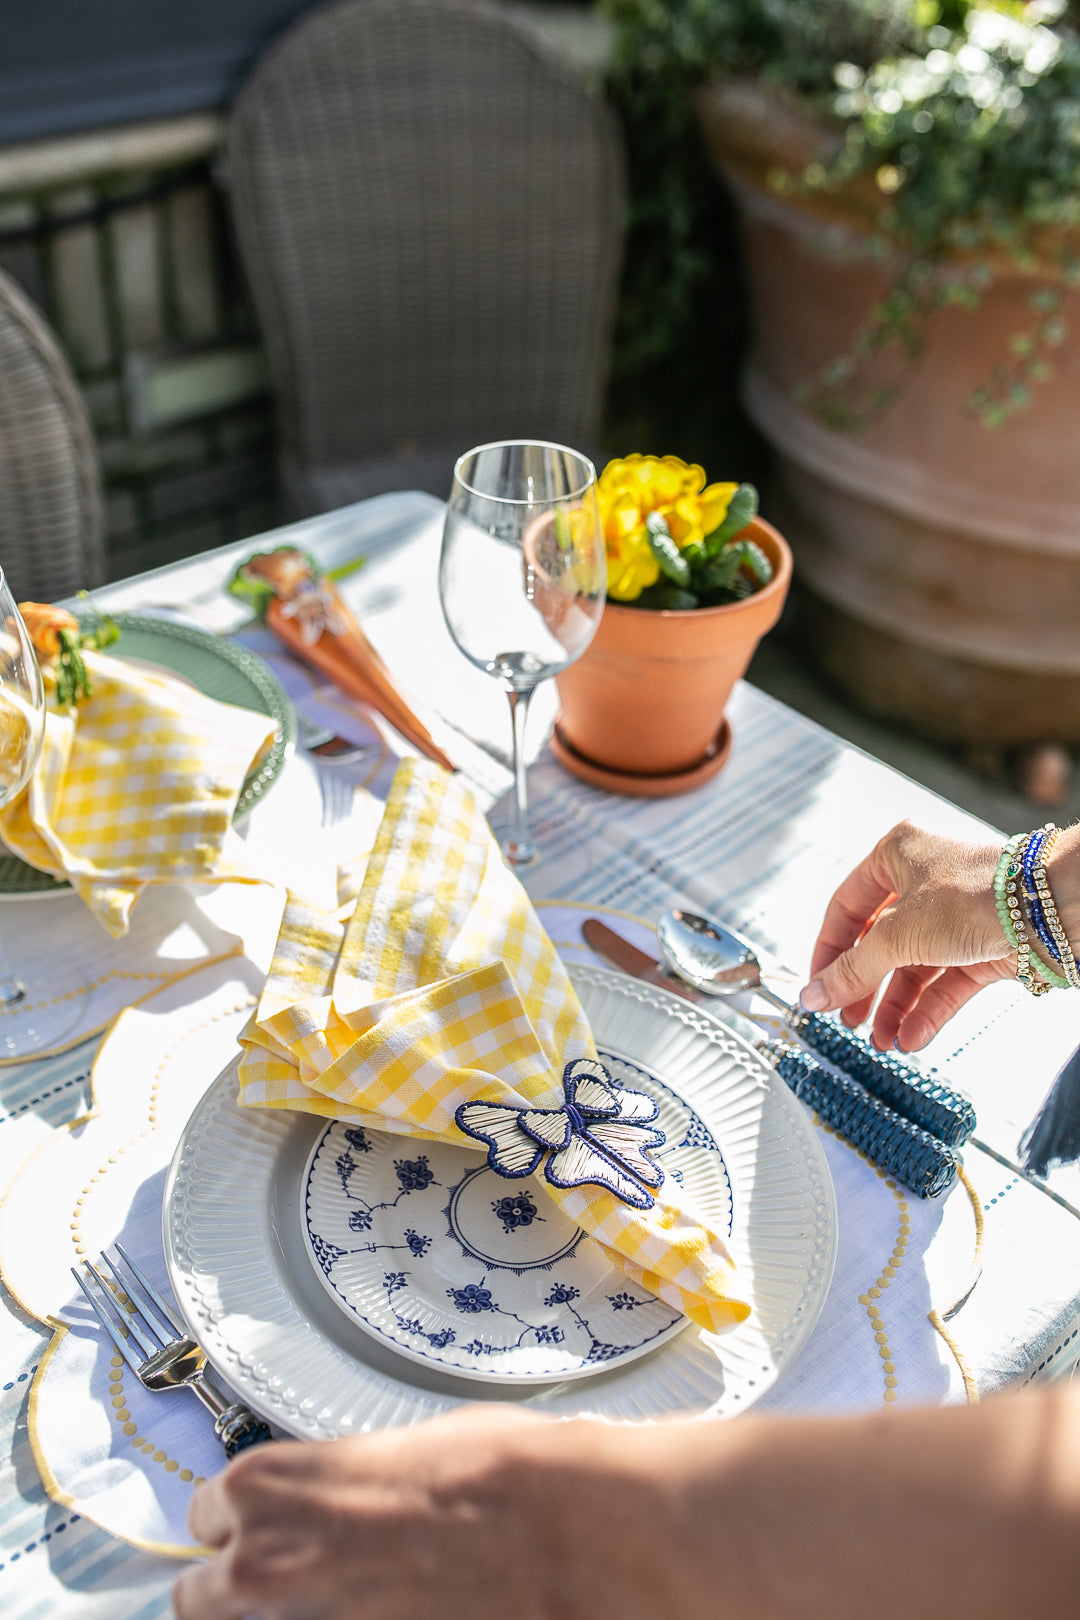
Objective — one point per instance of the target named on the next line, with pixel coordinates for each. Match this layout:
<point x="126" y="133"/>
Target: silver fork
<point x="170" y="1359"/>
<point x="330" y="753"/>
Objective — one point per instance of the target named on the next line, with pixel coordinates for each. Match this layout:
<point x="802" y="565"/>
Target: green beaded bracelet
<point x="1034" y="975"/>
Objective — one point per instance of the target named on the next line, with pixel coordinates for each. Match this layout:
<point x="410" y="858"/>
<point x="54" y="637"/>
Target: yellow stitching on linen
<point x="23" y="1007"/>
<point x="138" y="1441"/>
<point x="970" y="1387"/>
<point x="151" y="1113"/>
<point x="869" y="1300"/>
<point x="162" y="1549"/>
<point x="976" y="1259"/>
<point x="938" y="1319"/>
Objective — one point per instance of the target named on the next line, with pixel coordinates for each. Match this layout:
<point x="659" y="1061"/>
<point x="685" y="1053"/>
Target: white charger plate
<point x="429" y="1249"/>
<point x="237" y="1252"/>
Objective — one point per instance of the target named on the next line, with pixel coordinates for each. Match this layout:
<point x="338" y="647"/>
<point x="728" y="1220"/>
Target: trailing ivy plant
<point x="965" y="114"/>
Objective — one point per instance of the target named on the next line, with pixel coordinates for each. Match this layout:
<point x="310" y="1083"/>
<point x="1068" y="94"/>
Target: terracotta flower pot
<point x="939" y="561"/>
<point x="646" y="699"/>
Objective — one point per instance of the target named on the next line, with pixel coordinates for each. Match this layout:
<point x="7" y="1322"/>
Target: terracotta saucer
<point x="636" y="784"/>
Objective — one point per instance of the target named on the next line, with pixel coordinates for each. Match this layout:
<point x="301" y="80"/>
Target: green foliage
<point x="741" y="511"/>
<point x="96" y="630"/>
<point x="673" y="565"/>
<point x="722" y="569"/>
<point x="966" y="114"/>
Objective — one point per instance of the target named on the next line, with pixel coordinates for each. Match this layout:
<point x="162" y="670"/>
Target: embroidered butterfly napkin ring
<point x="600" y="1136"/>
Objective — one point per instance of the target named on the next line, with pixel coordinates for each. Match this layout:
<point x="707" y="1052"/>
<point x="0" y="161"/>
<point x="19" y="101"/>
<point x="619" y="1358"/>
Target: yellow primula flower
<point x="631" y="565"/>
<point x="714" y="505"/>
<point x="632" y="487"/>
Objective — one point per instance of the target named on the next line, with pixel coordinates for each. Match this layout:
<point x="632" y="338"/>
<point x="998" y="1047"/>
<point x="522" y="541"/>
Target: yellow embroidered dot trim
<point x="889" y="1270"/>
<point x="75" y="1223"/>
<point x="23" y="1007"/>
<point x="140" y="1442"/>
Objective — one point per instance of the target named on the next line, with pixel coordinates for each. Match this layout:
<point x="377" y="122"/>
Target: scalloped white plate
<point x="238" y="1261"/>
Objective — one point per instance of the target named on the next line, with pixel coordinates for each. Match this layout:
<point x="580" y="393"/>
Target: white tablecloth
<point x="762" y="847"/>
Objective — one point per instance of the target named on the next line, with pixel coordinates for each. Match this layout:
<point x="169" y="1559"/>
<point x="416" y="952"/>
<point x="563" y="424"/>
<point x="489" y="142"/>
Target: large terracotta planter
<point x="645" y="702"/>
<point x="940" y="560"/>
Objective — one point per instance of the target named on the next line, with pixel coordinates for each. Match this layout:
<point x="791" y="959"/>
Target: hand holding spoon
<point x="719" y="962"/>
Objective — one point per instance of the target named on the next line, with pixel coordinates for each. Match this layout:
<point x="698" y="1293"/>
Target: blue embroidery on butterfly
<point x="601" y="1135"/>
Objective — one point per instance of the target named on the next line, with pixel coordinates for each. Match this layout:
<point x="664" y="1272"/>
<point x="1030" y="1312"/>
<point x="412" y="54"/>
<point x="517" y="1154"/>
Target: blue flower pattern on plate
<point x="471" y="1298"/>
<point x="414" y="1174"/>
<point x="561" y="1320"/>
<point x="516" y="1211"/>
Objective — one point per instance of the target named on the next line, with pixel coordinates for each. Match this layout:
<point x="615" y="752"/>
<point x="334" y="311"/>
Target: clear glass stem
<point x="517" y="848"/>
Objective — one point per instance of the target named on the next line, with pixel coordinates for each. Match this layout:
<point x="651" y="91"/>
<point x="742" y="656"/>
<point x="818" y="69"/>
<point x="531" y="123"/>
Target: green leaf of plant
<point x="343" y="570"/>
<point x="667" y="598"/>
<point x="755" y="560"/>
<point x="673" y="565"/>
<point x="743" y="507"/>
<point x="719" y="574"/>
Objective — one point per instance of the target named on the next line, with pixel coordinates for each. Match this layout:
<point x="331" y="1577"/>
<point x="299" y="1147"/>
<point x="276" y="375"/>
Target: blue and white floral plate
<point x="239" y="1262"/>
<point x="426" y="1247"/>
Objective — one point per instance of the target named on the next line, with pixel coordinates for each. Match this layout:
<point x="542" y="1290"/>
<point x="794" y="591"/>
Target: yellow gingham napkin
<point x="442" y="989"/>
<point x="137" y="784"/>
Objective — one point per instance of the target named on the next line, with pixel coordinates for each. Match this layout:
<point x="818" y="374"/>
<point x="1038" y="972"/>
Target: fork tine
<point x="127" y="1318"/>
<point x="105" y="1318"/>
<point x="168" y="1323"/>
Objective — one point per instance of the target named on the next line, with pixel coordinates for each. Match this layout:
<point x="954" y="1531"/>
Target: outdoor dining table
<point x="760" y="847"/>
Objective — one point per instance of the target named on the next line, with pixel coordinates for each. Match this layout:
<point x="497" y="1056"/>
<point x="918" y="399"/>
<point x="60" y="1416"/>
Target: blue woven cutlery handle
<point x="905" y="1150"/>
<point x="925" y="1101"/>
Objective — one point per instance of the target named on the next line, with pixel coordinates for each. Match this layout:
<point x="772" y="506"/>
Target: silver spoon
<point x="719" y="962"/>
<point x="712" y="958"/>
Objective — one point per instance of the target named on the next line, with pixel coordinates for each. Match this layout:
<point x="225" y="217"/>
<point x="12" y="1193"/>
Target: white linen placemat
<point x="76" y="978"/>
<point x="874" y="1345"/>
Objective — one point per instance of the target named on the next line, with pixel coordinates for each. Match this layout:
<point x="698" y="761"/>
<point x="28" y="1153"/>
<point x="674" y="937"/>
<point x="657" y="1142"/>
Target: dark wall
<point x="79" y="64"/>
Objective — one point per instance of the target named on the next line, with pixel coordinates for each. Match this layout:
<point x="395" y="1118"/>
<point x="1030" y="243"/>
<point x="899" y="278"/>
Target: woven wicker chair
<point x="429" y="207"/>
<point x="50" y="495"/>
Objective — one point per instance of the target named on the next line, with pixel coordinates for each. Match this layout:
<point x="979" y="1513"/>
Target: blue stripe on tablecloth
<point x="57" y="1086"/>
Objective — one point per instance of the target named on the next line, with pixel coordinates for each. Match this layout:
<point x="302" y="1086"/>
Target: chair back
<point x="429" y="208"/>
<point x="51" y="541"/>
<point x="51" y="506"/>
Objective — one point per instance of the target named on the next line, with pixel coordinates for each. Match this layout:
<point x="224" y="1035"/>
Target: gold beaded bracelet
<point x="1007" y="886"/>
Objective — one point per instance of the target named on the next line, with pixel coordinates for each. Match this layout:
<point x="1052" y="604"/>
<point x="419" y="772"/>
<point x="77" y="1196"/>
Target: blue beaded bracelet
<point x="1034" y="905"/>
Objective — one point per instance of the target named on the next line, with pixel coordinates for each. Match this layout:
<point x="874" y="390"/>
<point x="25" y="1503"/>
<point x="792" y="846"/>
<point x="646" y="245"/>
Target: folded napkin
<point x="136" y="784"/>
<point x="440" y="1009"/>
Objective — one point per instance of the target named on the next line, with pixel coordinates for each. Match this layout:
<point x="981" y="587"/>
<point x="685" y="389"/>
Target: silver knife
<point x="639" y="964"/>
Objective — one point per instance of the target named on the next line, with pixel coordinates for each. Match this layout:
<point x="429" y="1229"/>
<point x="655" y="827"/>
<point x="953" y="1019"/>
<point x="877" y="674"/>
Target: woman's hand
<point x="487" y="1513"/>
<point x="921" y="907"/>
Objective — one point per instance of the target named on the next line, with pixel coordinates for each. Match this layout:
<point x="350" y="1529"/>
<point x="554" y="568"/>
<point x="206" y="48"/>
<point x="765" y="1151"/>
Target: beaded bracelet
<point x="1044" y="913"/>
<point x="1034" y="976"/>
<point x="1011" y="916"/>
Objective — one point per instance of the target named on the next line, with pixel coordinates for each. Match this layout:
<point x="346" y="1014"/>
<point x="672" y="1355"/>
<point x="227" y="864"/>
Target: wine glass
<point x="521" y="578"/>
<point x="22" y="728"/>
<point x="21" y="731"/>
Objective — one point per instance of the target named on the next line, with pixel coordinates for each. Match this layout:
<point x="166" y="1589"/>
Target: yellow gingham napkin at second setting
<point x="440" y="1009"/>
<point x="136" y="784"/>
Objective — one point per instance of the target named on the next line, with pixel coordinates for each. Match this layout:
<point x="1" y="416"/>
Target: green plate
<point x="219" y="669"/>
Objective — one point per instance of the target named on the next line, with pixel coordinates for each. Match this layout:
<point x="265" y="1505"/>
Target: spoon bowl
<point x="711" y="957"/>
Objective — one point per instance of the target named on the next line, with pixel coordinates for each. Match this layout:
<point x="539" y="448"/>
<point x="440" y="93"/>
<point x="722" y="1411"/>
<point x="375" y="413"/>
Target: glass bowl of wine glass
<point x="22" y="728"/>
<point x="522" y="578"/>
